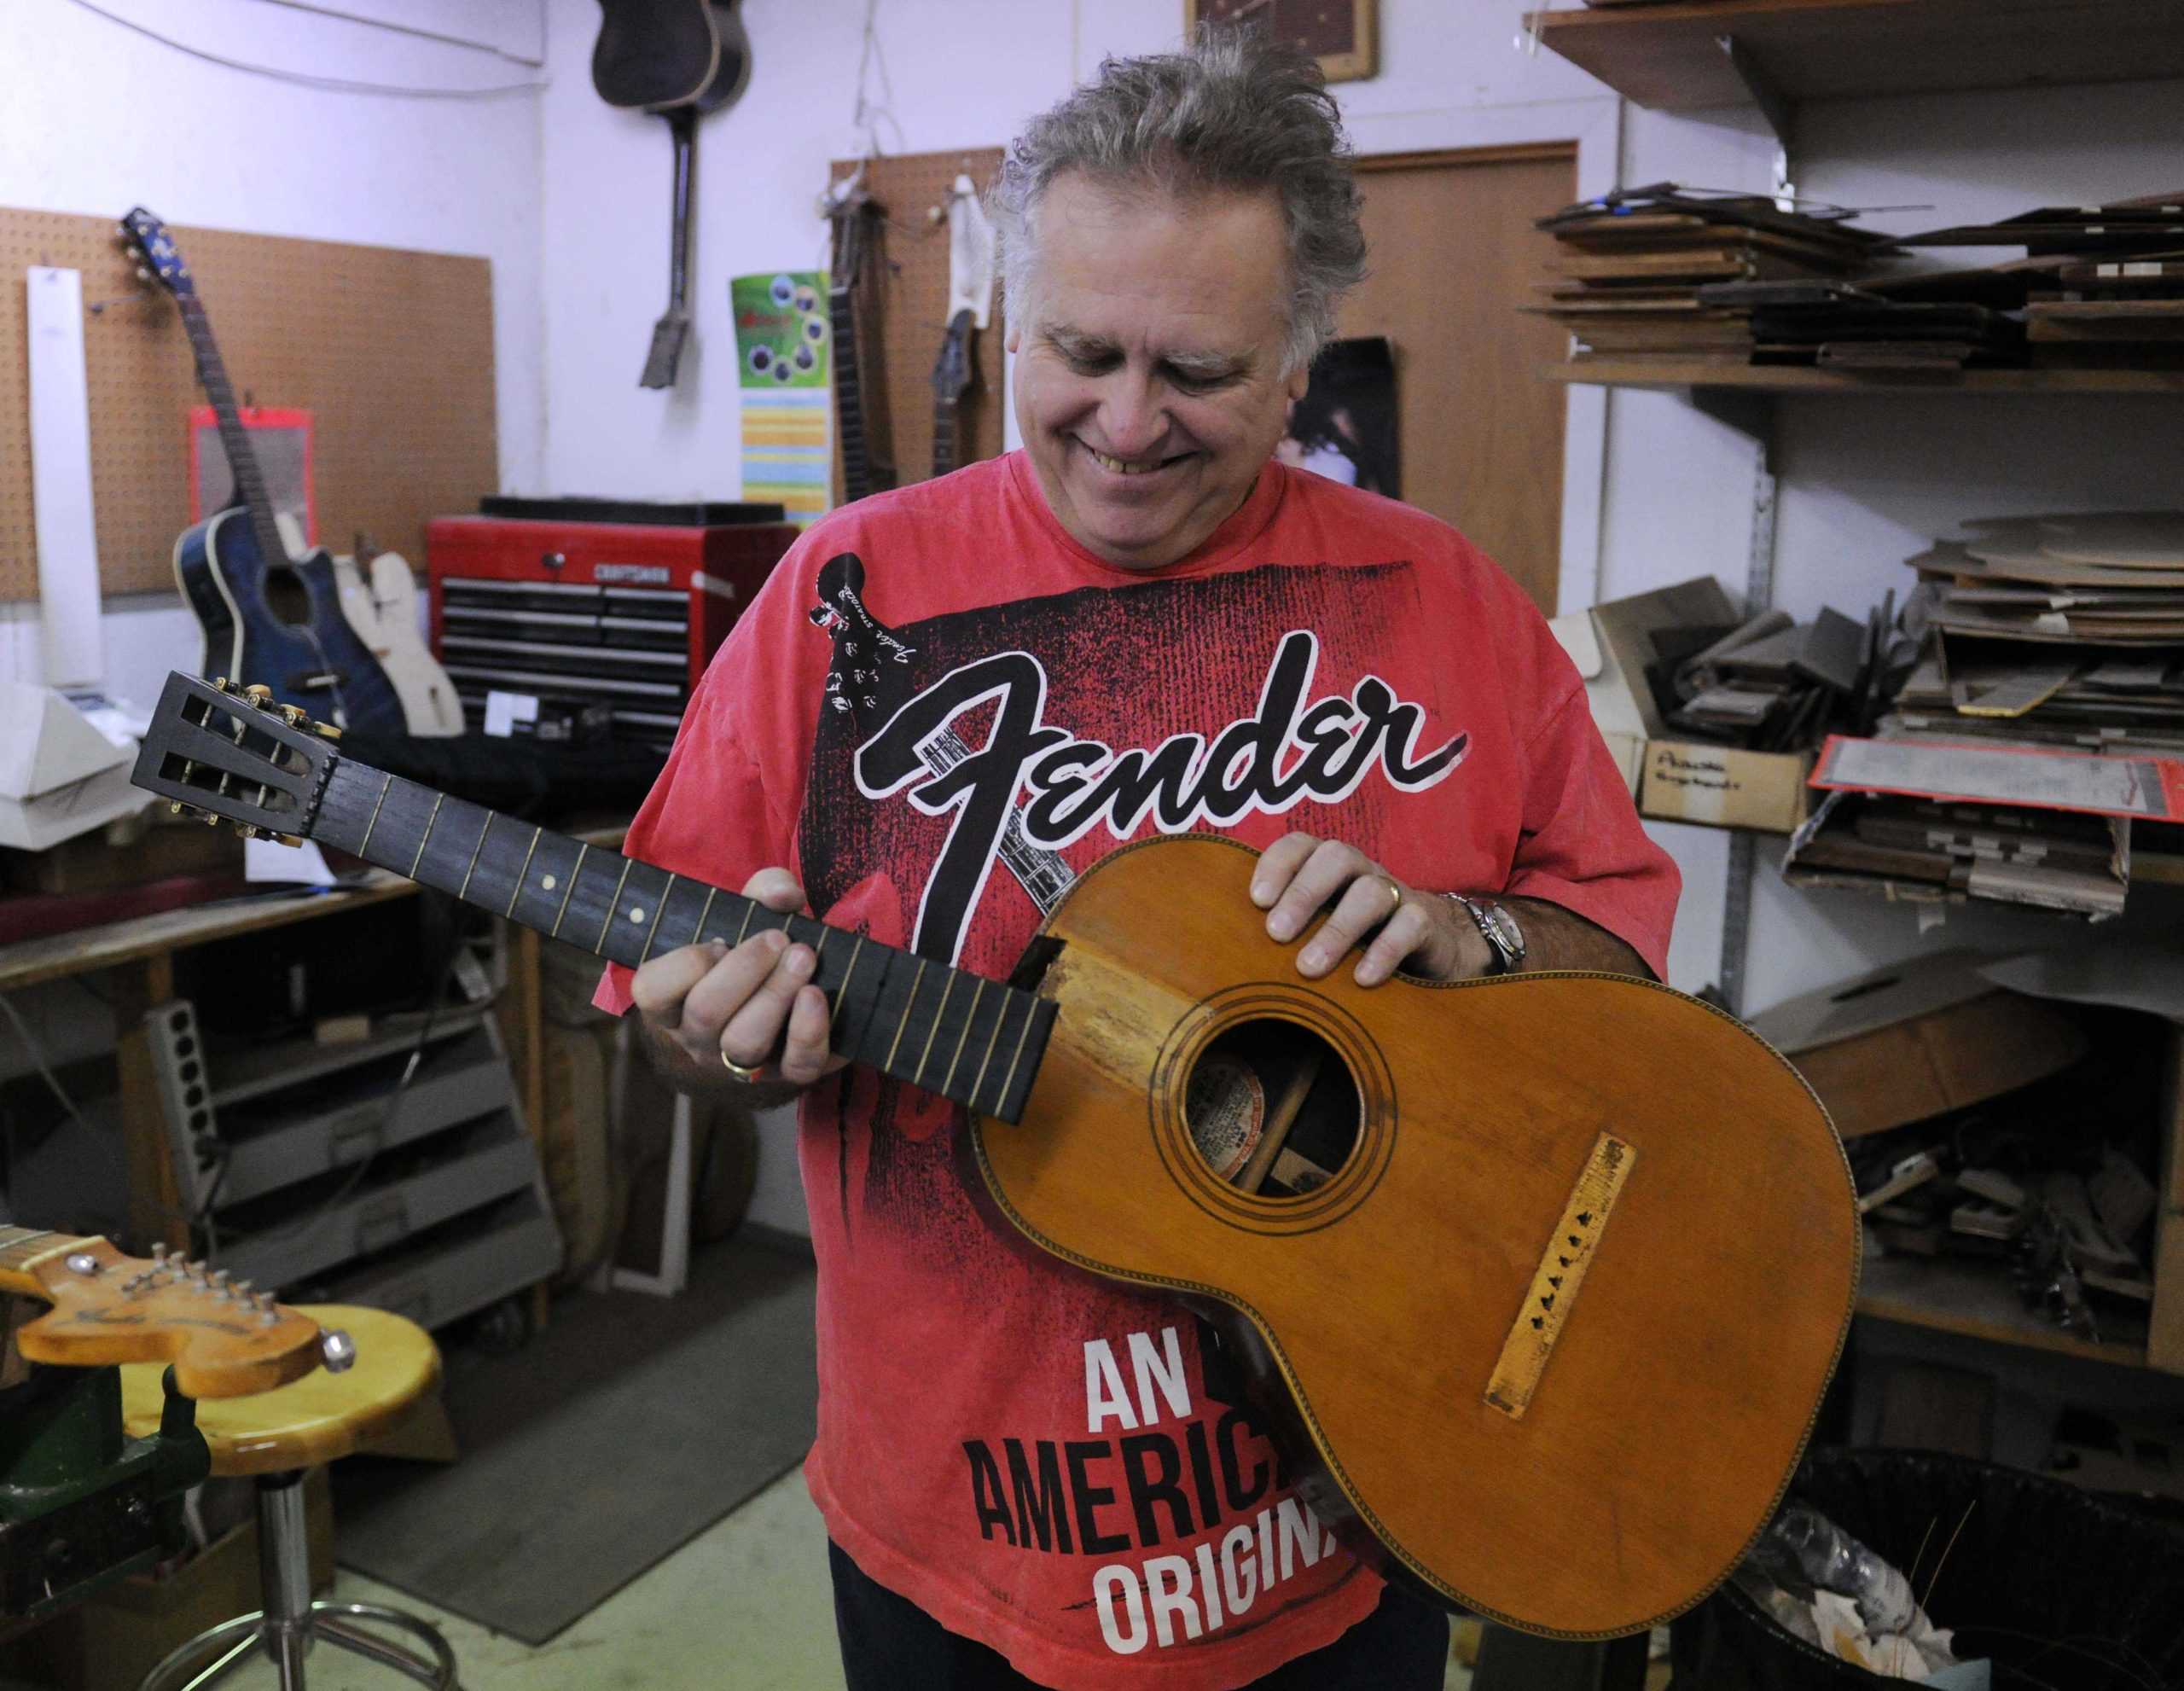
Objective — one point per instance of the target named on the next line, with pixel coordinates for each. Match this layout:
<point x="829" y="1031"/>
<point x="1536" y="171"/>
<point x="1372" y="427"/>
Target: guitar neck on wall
<point x="866" y="466"/>
<point x="951" y="379"/>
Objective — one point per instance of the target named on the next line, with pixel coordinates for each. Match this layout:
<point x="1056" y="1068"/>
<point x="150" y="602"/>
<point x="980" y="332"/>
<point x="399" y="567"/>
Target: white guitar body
<point x="381" y="608"/>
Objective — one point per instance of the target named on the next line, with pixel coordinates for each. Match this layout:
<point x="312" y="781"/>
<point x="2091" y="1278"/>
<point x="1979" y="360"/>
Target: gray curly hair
<point x="1234" y="111"/>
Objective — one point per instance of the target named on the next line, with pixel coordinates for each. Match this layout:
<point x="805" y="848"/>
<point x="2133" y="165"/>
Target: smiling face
<point x="1149" y="382"/>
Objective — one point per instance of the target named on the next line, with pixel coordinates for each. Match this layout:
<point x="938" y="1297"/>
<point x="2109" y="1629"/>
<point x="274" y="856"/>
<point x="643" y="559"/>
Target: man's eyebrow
<point x="1203" y="366"/>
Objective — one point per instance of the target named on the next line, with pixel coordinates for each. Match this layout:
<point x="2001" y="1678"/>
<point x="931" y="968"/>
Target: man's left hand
<point x="1421" y="933"/>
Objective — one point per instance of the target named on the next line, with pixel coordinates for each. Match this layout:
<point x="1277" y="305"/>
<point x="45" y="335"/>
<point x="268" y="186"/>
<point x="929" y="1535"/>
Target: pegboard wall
<point x="914" y="303"/>
<point x="391" y="351"/>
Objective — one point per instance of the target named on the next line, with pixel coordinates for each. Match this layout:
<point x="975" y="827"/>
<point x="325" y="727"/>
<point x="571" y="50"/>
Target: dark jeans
<point x="890" y="1644"/>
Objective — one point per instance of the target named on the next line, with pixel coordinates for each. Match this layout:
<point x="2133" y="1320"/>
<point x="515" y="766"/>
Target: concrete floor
<point x="745" y="1604"/>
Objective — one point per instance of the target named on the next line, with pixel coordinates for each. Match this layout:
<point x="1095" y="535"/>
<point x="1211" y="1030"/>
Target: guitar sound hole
<point x="1274" y="1108"/>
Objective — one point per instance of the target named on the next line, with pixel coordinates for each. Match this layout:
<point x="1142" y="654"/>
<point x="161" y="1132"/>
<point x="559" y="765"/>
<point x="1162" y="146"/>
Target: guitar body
<point x="379" y="602"/>
<point x="1542" y="1124"/>
<point x="652" y="55"/>
<point x="318" y="664"/>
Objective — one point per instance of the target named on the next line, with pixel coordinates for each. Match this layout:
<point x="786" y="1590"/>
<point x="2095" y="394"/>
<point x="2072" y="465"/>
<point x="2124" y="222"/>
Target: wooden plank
<point x="1801" y="379"/>
<point x="1977" y="1300"/>
<point x="1669" y="57"/>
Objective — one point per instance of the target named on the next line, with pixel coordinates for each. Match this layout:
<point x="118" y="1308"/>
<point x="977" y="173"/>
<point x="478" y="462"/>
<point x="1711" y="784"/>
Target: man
<point x="1028" y="1476"/>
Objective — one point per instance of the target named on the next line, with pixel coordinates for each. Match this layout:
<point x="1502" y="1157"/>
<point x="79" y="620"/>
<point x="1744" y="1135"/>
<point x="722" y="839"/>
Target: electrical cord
<point x="327" y="83"/>
<point x="393" y="28"/>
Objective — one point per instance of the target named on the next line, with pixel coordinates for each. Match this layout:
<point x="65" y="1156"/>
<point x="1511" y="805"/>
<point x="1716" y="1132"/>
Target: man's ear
<point x="1298" y="379"/>
<point x="1014" y="338"/>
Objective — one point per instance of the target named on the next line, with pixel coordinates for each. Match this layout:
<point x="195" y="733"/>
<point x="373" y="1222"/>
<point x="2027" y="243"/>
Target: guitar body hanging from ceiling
<point x="678" y="60"/>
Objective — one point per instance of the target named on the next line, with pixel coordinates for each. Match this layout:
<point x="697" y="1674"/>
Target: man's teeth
<point x="1125" y="466"/>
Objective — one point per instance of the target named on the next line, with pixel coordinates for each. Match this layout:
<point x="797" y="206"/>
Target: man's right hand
<point x="753" y="1006"/>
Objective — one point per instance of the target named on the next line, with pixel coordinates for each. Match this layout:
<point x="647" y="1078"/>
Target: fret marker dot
<point x="636" y="913"/>
<point x="548" y="883"/>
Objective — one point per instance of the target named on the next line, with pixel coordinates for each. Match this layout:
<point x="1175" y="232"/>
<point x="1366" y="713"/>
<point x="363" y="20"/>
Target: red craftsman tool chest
<point x="579" y="612"/>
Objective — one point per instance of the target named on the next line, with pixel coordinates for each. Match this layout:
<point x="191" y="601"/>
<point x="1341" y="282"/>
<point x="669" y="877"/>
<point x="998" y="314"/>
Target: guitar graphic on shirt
<point x="870" y="679"/>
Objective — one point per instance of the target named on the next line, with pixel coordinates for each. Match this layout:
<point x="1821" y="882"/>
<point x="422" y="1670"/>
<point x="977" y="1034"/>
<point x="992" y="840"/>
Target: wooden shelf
<point x="1802" y="379"/>
<point x="1670" y="57"/>
<point x="1978" y="1300"/>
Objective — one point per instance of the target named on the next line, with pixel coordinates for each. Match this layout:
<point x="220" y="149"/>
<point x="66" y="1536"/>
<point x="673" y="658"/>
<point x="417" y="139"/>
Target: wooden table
<point x="138" y="955"/>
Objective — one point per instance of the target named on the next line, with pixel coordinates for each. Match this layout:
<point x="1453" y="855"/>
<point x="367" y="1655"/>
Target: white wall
<point x="95" y="118"/>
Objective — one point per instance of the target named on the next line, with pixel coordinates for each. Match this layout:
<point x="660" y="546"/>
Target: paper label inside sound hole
<point x="1225" y="1105"/>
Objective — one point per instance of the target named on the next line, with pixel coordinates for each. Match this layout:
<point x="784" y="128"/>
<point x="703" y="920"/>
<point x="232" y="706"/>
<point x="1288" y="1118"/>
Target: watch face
<point x="1506" y="929"/>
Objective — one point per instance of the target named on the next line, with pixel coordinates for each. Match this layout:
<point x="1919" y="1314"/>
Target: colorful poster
<point x="783" y="357"/>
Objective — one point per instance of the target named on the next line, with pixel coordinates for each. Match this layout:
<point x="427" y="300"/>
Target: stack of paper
<point x="1630" y="268"/>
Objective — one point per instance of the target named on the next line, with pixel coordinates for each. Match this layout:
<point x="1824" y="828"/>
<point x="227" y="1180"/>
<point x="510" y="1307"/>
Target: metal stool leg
<point x="290" y="1620"/>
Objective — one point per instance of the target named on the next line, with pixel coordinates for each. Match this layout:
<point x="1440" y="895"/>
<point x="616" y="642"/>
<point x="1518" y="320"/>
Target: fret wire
<point x="438" y="799"/>
<point x="463" y="890"/>
<point x="915" y="981"/>
<point x="555" y="932"/>
<point x="613" y="905"/>
<point x="524" y="871"/>
<point x="842" y="991"/>
<point x="948" y="1079"/>
<point x="947" y="986"/>
<point x="749" y="906"/>
<point x="657" y="911"/>
<point x="363" y="848"/>
<point x="711" y="893"/>
<point x="986" y="1061"/>
<point x="1009" y="1083"/>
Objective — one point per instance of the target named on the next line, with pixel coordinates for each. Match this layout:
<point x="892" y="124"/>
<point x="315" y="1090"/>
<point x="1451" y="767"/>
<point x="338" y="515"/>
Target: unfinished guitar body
<point x="1555" y="1276"/>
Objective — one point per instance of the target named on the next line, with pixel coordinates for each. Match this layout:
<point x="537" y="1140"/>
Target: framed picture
<point x="1339" y="34"/>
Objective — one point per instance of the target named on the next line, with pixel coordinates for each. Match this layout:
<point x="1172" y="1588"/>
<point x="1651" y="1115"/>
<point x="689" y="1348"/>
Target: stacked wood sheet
<point x="1631" y="270"/>
<point x="2066" y="628"/>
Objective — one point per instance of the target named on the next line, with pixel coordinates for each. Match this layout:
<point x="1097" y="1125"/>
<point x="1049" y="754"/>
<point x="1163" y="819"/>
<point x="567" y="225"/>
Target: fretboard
<point x="243" y="457"/>
<point x="849" y="394"/>
<point x="975" y="1041"/>
<point x="943" y="436"/>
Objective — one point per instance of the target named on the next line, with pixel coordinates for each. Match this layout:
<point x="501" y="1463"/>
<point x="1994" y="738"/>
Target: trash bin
<point x="2063" y="1589"/>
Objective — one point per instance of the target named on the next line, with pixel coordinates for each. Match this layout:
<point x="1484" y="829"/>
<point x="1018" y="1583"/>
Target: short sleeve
<point x="1582" y="845"/>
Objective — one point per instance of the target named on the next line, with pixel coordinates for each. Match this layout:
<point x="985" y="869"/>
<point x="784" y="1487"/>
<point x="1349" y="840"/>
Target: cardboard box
<point x="1724" y="786"/>
<point x="1908" y="1042"/>
<point x="59" y="775"/>
<point x="1673" y="779"/>
<point x="120" y="1633"/>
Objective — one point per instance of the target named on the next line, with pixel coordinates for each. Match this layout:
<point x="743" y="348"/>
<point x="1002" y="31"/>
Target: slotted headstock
<point x="232" y="754"/>
<point x="224" y="1338"/>
<point x="151" y="247"/>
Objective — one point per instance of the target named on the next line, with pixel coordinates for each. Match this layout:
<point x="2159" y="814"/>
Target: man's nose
<point x="1132" y="418"/>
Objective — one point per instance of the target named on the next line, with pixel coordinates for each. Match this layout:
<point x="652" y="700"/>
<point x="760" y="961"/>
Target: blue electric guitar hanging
<point x="226" y="566"/>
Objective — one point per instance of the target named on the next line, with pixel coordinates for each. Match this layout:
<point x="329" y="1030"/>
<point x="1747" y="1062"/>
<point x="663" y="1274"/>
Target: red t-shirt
<point x="1044" y="1462"/>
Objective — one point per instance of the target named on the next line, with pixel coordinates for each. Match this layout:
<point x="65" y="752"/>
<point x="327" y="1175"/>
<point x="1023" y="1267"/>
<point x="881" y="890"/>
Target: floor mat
<point x="626" y="1428"/>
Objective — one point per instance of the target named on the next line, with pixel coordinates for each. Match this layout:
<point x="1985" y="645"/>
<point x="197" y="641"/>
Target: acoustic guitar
<point x="223" y="1339"/>
<point x="1551" y="1310"/>
<point x="231" y="568"/>
<point x="679" y="60"/>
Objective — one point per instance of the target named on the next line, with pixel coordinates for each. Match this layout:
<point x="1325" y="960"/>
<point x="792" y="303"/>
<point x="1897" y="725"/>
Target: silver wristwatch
<point x="1504" y="939"/>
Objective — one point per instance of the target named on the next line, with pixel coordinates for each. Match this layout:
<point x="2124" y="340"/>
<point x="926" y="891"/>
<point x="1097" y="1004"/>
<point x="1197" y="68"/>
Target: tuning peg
<point x="159" y="1256"/>
<point x="326" y="730"/>
<point x="287" y="838"/>
<point x="246" y="830"/>
<point x="293" y="715"/>
<point x="338" y="1351"/>
<point x="259" y="694"/>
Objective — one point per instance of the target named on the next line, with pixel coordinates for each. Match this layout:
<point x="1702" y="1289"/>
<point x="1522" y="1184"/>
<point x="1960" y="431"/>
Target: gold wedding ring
<point x="1395" y="891"/>
<point x="746" y="1075"/>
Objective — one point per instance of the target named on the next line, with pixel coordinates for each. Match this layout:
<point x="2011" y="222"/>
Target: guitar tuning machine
<point x="259" y="693"/>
